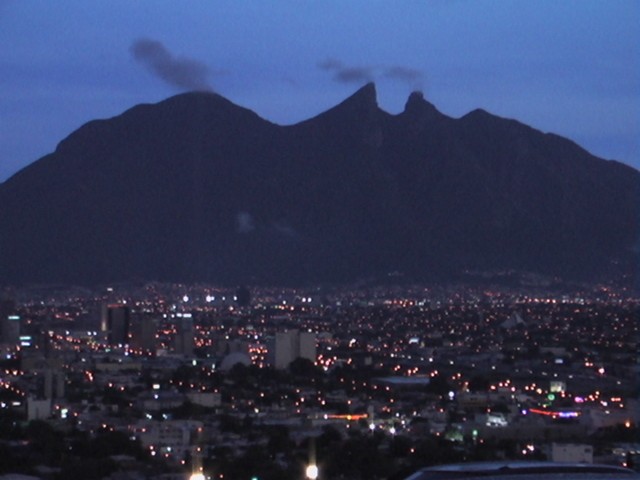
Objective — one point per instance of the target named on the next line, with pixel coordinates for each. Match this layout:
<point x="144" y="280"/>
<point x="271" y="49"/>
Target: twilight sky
<point x="568" y="67"/>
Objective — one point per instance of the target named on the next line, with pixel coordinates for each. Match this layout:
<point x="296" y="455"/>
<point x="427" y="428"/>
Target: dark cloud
<point x="405" y="74"/>
<point x="330" y="64"/>
<point x="361" y="74"/>
<point x="410" y="76"/>
<point x="347" y="74"/>
<point x="354" y="74"/>
<point x="184" y="73"/>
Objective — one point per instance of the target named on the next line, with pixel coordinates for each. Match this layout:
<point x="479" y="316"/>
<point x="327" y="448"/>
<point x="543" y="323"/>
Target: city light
<point x="312" y="472"/>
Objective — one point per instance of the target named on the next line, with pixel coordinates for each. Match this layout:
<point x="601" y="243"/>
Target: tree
<point x="279" y="441"/>
<point x="45" y="441"/>
<point x="303" y="367"/>
<point x="479" y="383"/>
<point x="438" y="385"/>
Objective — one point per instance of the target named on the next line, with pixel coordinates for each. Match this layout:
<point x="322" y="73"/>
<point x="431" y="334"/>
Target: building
<point x="53" y="384"/>
<point x="293" y="344"/>
<point x="571" y="452"/>
<point x="116" y="323"/>
<point x="143" y="333"/>
<point x="184" y="339"/>
<point x="169" y="438"/>
<point x="9" y="323"/>
<point x="205" y="399"/>
<point x="38" y="409"/>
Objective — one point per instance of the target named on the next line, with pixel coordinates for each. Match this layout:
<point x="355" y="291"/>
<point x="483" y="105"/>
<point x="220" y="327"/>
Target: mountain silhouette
<point x="196" y="188"/>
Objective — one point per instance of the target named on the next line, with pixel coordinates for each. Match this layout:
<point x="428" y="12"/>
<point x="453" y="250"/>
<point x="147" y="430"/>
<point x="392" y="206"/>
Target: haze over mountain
<point x="195" y="188"/>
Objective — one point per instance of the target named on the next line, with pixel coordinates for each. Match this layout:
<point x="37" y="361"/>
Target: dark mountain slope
<point x="197" y="188"/>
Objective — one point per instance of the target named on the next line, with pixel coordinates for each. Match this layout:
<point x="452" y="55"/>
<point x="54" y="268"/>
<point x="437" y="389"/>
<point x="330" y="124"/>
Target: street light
<point x="312" y="468"/>
<point x="197" y="476"/>
<point x="312" y="472"/>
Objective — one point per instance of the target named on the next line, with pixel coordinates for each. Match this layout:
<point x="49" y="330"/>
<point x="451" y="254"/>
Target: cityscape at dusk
<point x="319" y="240"/>
<point x="177" y="377"/>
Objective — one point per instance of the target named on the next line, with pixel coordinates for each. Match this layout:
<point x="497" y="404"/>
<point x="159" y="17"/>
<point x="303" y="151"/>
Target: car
<point x="522" y="471"/>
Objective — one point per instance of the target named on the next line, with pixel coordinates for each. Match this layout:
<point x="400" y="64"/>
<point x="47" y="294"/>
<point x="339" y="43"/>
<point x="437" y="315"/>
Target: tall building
<point x="54" y="384"/>
<point x="291" y="345"/>
<point x="243" y="297"/>
<point x="184" y="340"/>
<point x="143" y="332"/>
<point x="116" y="323"/>
<point x="9" y="323"/>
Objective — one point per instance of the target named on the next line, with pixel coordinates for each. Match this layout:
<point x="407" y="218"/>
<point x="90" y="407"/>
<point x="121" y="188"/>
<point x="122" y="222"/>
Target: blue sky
<point x="568" y="67"/>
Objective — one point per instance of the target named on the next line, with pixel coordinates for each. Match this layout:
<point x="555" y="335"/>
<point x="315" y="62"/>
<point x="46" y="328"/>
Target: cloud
<point x="244" y="223"/>
<point x="361" y="74"/>
<point x="413" y="77"/>
<point x="181" y="72"/>
<point x="330" y="64"/>
<point x="354" y="75"/>
<point x="285" y="229"/>
<point x="346" y="74"/>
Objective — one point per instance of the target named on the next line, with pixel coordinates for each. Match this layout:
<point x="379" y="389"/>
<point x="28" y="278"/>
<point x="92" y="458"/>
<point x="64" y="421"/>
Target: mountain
<point x="196" y="188"/>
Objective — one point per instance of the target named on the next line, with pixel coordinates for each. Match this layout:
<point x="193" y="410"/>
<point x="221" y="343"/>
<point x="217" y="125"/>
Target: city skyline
<point x="382" y="381"/>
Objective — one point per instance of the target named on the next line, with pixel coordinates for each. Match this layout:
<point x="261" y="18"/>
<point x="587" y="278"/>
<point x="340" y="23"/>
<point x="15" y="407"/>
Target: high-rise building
<point x="184" y="339"/>
<point x="116" y="322"/>
<point x="243" y="297"/>
<point x="307" y="346"/>
<point x="143" y="332"/>
<point x="54" y="384"/>
<point x="291" y="345"/>
<point x="9" y="323"/>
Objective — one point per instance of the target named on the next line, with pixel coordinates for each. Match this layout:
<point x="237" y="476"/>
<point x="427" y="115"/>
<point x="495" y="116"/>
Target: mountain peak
<point x="365" y="97"/>
<point x="367" y="91"/>
<point x="415" y="97"/>
<point x="362" y="104"/>
<point x="417" y="104"/>
<point x="188" y="101"/>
